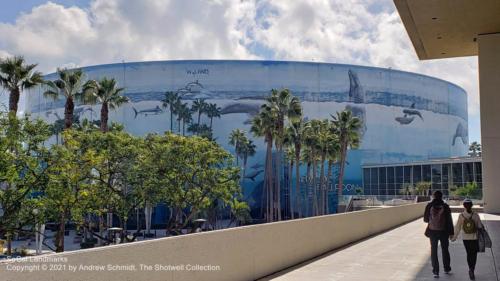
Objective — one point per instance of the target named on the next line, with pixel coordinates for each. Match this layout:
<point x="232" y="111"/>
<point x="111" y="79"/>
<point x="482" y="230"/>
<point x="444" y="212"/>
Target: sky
<point x="70" y="33"/>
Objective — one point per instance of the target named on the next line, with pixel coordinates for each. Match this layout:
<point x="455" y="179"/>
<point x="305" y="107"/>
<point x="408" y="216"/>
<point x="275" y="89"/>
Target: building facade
<point x="406" y="116"/>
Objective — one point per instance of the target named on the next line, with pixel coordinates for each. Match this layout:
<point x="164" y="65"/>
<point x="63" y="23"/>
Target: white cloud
<point x="365" y="32"/>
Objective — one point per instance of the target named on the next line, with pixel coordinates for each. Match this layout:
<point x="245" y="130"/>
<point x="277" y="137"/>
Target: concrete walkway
<point x="402" y="254"/>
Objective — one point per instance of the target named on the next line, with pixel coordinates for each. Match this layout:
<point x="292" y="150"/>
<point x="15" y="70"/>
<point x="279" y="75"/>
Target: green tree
<point x="199" y="106"/>
<point x="475" y="149"/>
<point x="213" y="111"/>
<point x="347" y="128"/>
<point x="106" y="92"/>
<point x="170" y="100"/>
<point x="17" y="76"/>
<point x="21" y="170"/>
<point x="470" y="190"/>
<point x="72" y="86"/>
<point x="237" y="138"/>
<point x="423" y="187"/>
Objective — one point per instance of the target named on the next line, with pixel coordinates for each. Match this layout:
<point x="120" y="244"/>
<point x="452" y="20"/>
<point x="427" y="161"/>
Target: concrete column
<point x="489" y="88"/>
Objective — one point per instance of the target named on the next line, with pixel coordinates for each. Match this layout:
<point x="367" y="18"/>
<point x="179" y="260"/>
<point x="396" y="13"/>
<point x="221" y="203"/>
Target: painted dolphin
<point x="413" y="111"/>
<point x="404" y="120"/>
<point x="253" y="175"/>
<point x="154" y="111"/>
<point x="460" y="132"/>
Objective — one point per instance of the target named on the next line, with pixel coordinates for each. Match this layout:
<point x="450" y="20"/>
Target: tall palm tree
<point x="186" y="116"/>
<point x="182" y="110"/>
<point x="347" y="127"/>
<point x="109" y="96"/>
<point x="290" y="158"/>
<point x="247" y="149"/>
<point x="237" y="138"/>
<point x="170" y="100"/>
<point x="287" y="108"/>
<point x="295" y="132"/>
<point x="332" y="156"/>
<point x="263" y="125"/>
<point x="16" y="76"/>
<point x="72" y="86"/>
<point x="213" y="111"/>
<point x="311" y="140"/>
<point x="200" y="106"/>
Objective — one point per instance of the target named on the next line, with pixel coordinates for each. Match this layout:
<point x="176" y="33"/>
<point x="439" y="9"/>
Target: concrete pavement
<point x="402" y="254"/>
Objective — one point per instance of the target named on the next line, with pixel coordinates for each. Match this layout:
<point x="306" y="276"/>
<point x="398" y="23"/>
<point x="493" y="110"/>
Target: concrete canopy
<point x="448" y="28"/>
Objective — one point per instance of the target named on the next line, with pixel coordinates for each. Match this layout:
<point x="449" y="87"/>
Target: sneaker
<point x="436" y="275"/>
<point x="448" y="272"/>
<point x="471" y="275"/>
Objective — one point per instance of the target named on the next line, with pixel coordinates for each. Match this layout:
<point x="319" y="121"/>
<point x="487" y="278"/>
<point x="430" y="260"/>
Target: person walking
<point x="439" y="229"/>
<point x="469" y="222"/>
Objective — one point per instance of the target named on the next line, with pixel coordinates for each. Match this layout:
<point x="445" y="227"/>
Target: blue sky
<point x="86" y="32"/>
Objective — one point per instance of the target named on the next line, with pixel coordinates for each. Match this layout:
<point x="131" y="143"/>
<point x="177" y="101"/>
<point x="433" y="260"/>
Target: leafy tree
<point x="347" y="128"/>
<point x="470" y="190"/>
<point x="22" y="171"/>
<point x="72" y="86"/>
<point x="17" y="76"/>
<point x="192" y="171"/>
<point x="105" y="92"/>
<point x="475" y="149"/>
<point x="423" y="187"/>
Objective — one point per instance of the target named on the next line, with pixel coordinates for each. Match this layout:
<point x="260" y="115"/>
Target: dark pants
<point x="443" y="238"/>
<point x="471" y="247"/>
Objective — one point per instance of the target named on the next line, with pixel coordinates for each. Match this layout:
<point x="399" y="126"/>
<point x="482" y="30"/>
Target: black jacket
<point x="449" y="221"/>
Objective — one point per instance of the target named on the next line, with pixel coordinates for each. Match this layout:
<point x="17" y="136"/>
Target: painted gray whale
<point x="253" y="175"/>
<point x="460" y="132"/>
<point x="405" y="120"/>
<point x="357" y="96"/>
<point x="413" y="111"/>
<point x="250" y="109"/>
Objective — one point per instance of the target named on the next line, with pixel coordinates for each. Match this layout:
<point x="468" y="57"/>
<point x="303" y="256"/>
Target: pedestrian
<point x="439" y="229"/>
<point x="469" y="224"/>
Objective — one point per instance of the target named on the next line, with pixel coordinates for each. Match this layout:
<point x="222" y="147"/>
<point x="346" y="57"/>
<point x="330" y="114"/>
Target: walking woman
<point x="469" y="223"/>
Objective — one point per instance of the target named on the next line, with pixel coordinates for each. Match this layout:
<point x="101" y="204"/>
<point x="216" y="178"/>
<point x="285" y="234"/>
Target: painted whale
<point x="404" y="120"/>
<point x="253" y="175"/>
<point x="412" y="111"/>
<point x="250" y="109"/>
<point x="460" y="132"/>
<point x="357" y="96"/>
<point x="151" y="111"/>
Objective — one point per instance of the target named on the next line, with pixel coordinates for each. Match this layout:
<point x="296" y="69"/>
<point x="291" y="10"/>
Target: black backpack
<point x="437" y="218"/>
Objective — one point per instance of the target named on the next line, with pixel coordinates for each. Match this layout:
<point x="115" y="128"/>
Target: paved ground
<point x="402" y="254"/>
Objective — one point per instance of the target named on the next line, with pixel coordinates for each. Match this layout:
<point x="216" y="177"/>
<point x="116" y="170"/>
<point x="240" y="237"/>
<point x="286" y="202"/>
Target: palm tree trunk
<point x="104" y="117"/>
<point x="278" y="183"/>
<point x="199" y="118"/>
<point x="290" y="171"/>
<point x="183" y="127"/>
<point x="322" y="184"/>
<point x="297" y="182"/>
<point x="343" y="155"/>
<point x="69" y="108"/>
<point x="211" y="119"/>
<point x="309" y="190"/>
<point x="329" y="179"/>
<point x="14" y="100"/>
<point x="171" y="118"/>
<point x="179" y="126"/>
<point x="315" y="188"/>
<point x="269" y="173"/>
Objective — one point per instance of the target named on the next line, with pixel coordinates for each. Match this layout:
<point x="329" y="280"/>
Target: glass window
<point x="468" y="172"/>
<point x="417" y="174"/>
<point x="457" y="174"/>
<point x="426" y="172"/>
<point x="390" y="174"/>
<point x="436" y="173"/>
<point x="446" y="174"/>
<point x="479" y="172"/>
<point x="391" y="189"/>
<point x="366" y="177"/>
<point x="399" y="174"/>
<point x="374" y="180"/>
<point x="407" y="174"/>
<point x="381" y="175"/>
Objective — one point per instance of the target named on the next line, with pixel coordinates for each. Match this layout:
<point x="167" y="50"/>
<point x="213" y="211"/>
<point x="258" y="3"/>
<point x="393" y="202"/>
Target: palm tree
<point x="16" y="76"/>
<point x="332" y="156"/>
<point x="237" y="138"/>
<point x="109" y="95"/>
<point x="475" y="149"/>
<point x="287" y="108"/>
<point x="295" y="132"/>
<point x="311" y="140"/>
<point x="170" y="100"/>
<point x="213" y="111"/>
<point x="263" y="125"/>
<point x="70" y="85"/>
<point x="347" y="127"/>
<point x="247" y="149"/>
<point x="290" y="158"/>
<point x="186" y="116"/>
<point x="200" y="106"/>
<point x="181" y="110"/>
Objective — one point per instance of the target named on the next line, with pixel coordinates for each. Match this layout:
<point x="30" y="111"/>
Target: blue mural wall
<point x="406" y="116"/>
